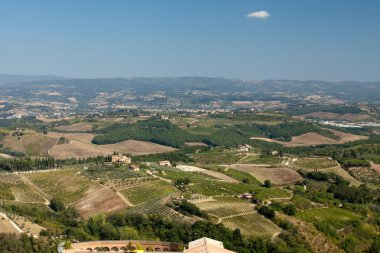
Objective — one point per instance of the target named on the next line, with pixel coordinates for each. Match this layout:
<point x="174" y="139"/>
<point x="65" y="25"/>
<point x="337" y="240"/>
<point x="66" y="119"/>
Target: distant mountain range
<point x="6" y="79"/>
<point x="204" y="89"/>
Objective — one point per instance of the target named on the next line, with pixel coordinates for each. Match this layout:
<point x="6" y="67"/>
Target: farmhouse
<point x="164" y="163"/>
<point x="246" y="195"/>
<point x="121" y="159"/>
<point x="244" y="147"/>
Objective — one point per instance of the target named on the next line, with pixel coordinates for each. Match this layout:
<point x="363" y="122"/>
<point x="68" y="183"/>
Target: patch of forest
<point x="154" y="130"/>
<point x="165" y="133"/>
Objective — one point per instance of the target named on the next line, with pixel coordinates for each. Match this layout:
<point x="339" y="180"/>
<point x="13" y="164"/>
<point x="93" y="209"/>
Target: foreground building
<point x="203" y="245"/>
<point x="206" y="245"/>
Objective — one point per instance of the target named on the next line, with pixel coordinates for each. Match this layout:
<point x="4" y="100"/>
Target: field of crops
<point x="265" y="193"/>
<point x="313" y="164"/>
<point x="235" y="213"/>
<point x="158" y="207"/>
<point x="218" y="156"/>
<point x="252" y="224"/>
<point x="67" y="185"/>
<point x="6" y="192"/>
<point x="208" y="186"/>
<point x="324" y="165"/>
<point x="338" y="218"/>
<point x="148" y="191"/>
<point x="365" y="174"/>
<point x="14" y="186"/>
<point x="120" y="173"/>
<point x="226" y="206"/>
<point x="254" y="159"/>
<point x="122" y="184"/>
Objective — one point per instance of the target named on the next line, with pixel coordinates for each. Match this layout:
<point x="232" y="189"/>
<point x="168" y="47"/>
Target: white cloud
<point x="258" y="15"/>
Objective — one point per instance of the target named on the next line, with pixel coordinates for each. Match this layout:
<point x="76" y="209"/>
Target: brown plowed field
<point x="34" y="144"/>
<point x="80" y="146"/>
<point x="313" y="139"/>
<point x="102" y="201"/>
<point x="82" y="137"/>
<point x="76" y="149"/>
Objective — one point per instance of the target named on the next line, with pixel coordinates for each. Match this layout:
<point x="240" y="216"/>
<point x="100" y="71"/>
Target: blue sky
<point x="301" y="39"/>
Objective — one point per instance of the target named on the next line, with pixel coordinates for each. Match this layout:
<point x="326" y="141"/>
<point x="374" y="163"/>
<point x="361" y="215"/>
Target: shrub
<point x="267" y="183"/>
<point x="57" y="205"/>
<point x="267" y="212"/>
<point x="290" y="210"/>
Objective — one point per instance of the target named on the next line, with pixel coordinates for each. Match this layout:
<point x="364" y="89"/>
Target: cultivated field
<point x="139" y="147"/>
<point x="347" y="137"/>
<point x="277" y="175"/>
<point x="313" y="139"/>
<point x="81" y="137"/>
<point x="38" y="144"/>
<point x="212" y="173"/>
<point x="66" y="184"/>
<point x="33" y="144"/>
<point x="77" y="127"/>
<point x="323" y="165"/>
<point x="235" y="213"/>
<point x="208" y="186"/>
<point x="77" y="149"/>
<point x="148" y="191"/>
<point x="364" y="174"/>
<point x="102" y="201"/>
<point x="252" y="225"/>
<point x="11" y="142"/>
<point x="313" y="164"/>
<point x="19" y="189"/>
<point x="226" y="206"/>
<point x="335" y="217"/>
<point x="158" y="207"/>
<point x="79" y="146"/>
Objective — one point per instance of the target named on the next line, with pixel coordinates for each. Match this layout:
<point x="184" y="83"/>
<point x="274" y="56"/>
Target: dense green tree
<point x="57" y="205"/>
<point x="267" y="183"/>
<point x="267" y="212"/>
<point x="290" y="209"/>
